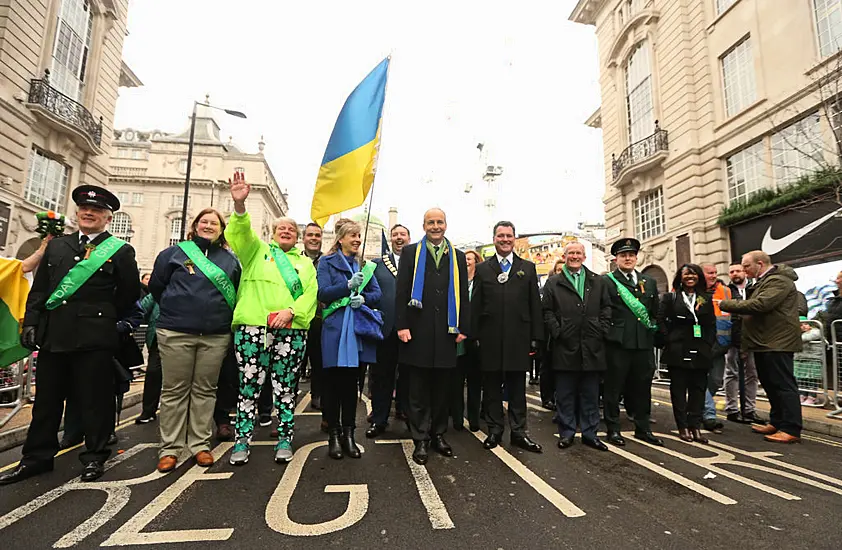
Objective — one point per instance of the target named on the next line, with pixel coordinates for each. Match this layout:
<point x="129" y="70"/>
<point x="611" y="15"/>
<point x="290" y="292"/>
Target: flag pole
<point x="380" y="141"/>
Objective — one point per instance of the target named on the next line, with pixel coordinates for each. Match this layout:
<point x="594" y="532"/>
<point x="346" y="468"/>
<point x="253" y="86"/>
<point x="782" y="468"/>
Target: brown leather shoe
<point x="768" y="429"/>
<point x="782" y="437"/>
<point x="224" y="432"/>
<point x="167" y="464"/>
<point x="204" y="459"/>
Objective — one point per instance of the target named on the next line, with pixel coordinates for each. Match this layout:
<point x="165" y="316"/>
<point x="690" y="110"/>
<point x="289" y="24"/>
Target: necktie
<point x="436" y="249"/>
<point x="630" y="278"/>
<point x="504" y="265"/>
<point x="83" y="240"/>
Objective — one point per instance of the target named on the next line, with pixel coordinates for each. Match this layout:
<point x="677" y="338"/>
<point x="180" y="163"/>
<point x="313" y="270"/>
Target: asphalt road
<point x="743" y="492"/>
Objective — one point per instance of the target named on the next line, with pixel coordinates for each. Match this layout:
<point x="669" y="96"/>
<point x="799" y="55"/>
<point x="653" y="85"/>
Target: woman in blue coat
<point x="344" y="288"/>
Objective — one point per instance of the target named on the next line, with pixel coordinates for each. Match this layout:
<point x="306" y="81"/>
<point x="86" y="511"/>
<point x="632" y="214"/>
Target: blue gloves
<point x="356" y="301"/>
<point x="355" y="281"/>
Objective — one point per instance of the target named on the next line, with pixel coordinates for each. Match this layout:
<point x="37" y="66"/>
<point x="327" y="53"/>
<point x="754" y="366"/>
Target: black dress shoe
<point x="112" y="439"/>
<point x="458" y="424"/>
<point x="713" y="425"/>
<point x="374" y="431"/>
<point x="526" y="444"/>
<point x="752" y="418"/>
<point x="565" y="442"/>
<point x="334" y="445"/>
<point x="144" y="419"/>
<point x="648" y="437"/>
<point x="616" y="439"/>
<point x="549" y="405"/>
<point x="93" y="471"/>
<point x="442" y="447"/>
<point x="473" y="427"/>
<point x="491" y="441"/>
<point x="24" y="471"/>
<point x="595" y="444"/>
<point x="421" y="453"/>
<point x="67" y="443"/>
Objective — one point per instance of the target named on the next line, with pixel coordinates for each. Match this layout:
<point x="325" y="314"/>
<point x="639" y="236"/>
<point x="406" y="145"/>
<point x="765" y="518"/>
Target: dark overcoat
<point x="507" y="316"/>
<point x="386" y="275"/>
<point x="431" y="344"/>
<point x="675" y="322"/>
<point x="577" y="326"/>
<point x="627" y="332"/>
<point x="88" y="321"/>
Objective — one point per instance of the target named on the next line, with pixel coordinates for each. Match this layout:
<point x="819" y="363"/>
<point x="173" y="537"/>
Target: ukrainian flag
<point x="14" y="289"/>
<point x="350" y="160"/>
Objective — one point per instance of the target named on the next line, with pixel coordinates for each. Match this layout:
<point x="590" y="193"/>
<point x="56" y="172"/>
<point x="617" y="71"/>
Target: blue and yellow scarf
<point x="452" y="285"/>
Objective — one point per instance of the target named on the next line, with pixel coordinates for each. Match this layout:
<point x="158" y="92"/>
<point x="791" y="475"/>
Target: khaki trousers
<point x="191" y="365"/>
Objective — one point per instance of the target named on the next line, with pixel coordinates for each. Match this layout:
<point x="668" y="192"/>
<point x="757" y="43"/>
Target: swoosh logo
<point x="772" y="246"/>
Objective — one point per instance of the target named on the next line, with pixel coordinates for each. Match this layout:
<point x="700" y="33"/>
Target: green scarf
<point x="578" y="282"/>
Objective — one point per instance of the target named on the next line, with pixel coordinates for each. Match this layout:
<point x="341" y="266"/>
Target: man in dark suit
<point x="383" y="372"/>
<point x="86" y="282"/>
<point x="631" y="344"/>
<point x="432" y="314"/>
<point x="508" y="324"/>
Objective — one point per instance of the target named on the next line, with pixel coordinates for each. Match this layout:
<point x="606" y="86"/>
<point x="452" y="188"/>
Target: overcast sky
<point x="515" y="75"/>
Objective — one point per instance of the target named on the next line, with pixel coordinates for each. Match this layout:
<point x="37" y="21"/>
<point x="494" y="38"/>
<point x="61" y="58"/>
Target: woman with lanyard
<point x="195" y="285"/>
<point x="349" y="339"/>
<point x="467" y="367"/>
<point x="277" y="301"/>
<point x="687" y="330"/>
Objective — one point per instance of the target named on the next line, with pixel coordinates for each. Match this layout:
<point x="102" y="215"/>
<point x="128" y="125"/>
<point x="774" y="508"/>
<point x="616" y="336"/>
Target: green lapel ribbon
<point x="638" y="309"/>
<point x="81" y="272"/>
<point x="212" y="271"/>
<point x="368" y="272"/>
<point x="288" y="273"/>
<point x="578" y="282"/>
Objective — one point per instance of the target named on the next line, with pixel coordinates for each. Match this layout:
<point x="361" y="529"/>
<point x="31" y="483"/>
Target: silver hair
<point x="577" y="243"/>
<point x="290" y="221"/>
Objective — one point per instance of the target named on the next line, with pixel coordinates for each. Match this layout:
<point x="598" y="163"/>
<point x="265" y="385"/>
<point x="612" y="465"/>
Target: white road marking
<point x="367" y="402"/>
<point x="130" y="532"/>
<point x="542" y="487"/>
<point x="436" y="510"/>
<point x="277" y="511"/>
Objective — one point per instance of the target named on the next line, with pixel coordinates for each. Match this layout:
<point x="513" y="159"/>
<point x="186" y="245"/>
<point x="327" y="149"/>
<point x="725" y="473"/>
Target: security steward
<point x="86" y="282"/>
<point x="631" y="344"/>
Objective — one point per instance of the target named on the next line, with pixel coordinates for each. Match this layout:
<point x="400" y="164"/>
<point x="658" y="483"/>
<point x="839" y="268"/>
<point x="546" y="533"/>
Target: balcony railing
<point x="65" y="109"/>
<point x="640" y="151"/>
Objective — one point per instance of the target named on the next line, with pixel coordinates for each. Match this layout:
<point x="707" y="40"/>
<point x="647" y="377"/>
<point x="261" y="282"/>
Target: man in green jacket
<point x="771" y="330"/>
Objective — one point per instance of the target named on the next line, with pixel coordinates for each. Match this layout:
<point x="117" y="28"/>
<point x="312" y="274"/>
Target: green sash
<point x="81" y="272"/>
<point x="634" y="304"/>
<point x="368" y="271"/>
<point x="212" y="271"/>
<point x="288" y="273"/>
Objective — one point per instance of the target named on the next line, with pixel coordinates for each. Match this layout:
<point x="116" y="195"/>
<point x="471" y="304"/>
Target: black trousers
<point x="427" y="400"/>
<point x="467" y="371"/>
<point x="574" y="388"/>
<point x="402" y="390"/>
<point x="227" y="389"/>
<point x="339" y="401"/>
<point x="314" y="355"/>
<point x="383" y="379"/>
<point x="266" y="401"/>
<point x="492" y="401"/>
<point x="152" y="382"/>
<point x="548" y="378"/>
<point x="687" y="393"/>
<point x="87" y="378"/>
<point x="775" y="371"/>
<point x="629" y="374"/>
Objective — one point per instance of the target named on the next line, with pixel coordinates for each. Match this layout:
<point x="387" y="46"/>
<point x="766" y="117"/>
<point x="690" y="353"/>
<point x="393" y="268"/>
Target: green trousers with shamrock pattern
<point x="278" y="352"/>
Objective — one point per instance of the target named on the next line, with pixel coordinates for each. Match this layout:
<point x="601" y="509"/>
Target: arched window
<point x="641" y="113"/>
<point x="121" y="226"/>
<point x="175" y="231"/>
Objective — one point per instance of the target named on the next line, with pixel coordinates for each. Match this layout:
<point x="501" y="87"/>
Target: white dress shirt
<point x="91" y="236"/>
<point x="633" y="275"/>
<point x="397" y="261"/>
<point x="510" y="257"/>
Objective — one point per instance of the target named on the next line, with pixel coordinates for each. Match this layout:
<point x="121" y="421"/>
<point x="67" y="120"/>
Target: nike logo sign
<point x="772" y="246"/>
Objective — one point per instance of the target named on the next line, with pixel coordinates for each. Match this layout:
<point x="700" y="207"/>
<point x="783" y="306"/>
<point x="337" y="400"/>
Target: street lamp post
<point x="190" y="158"/>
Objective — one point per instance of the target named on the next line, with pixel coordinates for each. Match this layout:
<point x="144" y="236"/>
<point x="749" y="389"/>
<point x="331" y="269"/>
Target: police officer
<point x="631" y="344"/>
<point x="86" y="282"/>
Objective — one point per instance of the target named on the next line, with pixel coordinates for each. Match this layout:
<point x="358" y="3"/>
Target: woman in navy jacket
<point x="193" y="330"/>
<point x="343" y="353"/>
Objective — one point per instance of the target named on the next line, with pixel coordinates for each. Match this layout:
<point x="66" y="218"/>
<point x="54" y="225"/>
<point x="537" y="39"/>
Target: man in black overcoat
<point x="508" y="324"/>
<point x="631" y="344"/>
<point x="427" y="351"/>
<point x="77" y="337"/>
<point x="577" y="311"/>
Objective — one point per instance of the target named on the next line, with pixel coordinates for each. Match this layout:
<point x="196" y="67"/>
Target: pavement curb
<point x="13" y="438"/>
<point x="829" y="427"/>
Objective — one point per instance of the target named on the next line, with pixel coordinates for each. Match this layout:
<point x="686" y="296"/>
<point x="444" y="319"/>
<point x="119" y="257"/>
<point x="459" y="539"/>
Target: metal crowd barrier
<point x="835" y="326"/>
<point x="14" y="385"/>
<point x="140" y="339"/>
<point x="811" y="369"/>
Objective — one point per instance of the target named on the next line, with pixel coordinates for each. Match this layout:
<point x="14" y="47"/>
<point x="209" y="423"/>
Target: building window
<point x="137" y="198"/>
<point x="138" y="154"/>
<point x="121" y="226"/>
<point x="797" y="149"/>
<point x="738" y="78"/>
<point x="634" y="6"/>
<point x="745" y="172"/>
<point x="124" y="198"/>
<point x="182" y="166"/>
<point x="722" y="5"/>
<point x="70" y="52"/>
<point x="828" y="25"/>
<point x="641" y="115"/>
<point x="177" y="201"/>
<point x="175" y="231"/>
<point x="123" y="153"/>
<point x="649" y="214"/>
<point x="46" y="183"/>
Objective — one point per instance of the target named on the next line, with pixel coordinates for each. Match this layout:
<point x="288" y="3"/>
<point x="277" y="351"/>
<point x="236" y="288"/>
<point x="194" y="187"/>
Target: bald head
<point x="756" y="263"/>
<point x="435" y="224"/>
